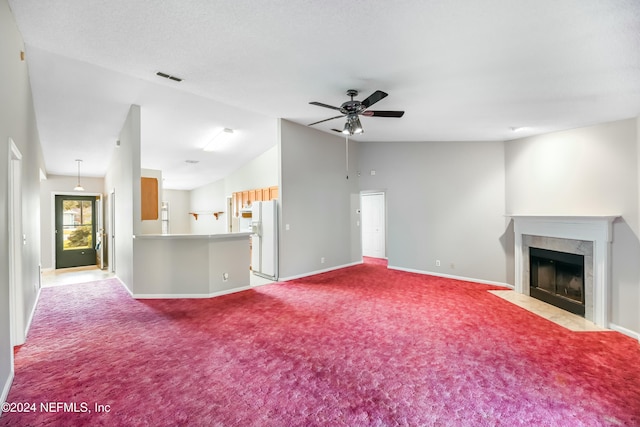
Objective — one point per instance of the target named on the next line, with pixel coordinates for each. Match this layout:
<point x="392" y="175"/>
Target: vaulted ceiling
<point x="462" y="70"/>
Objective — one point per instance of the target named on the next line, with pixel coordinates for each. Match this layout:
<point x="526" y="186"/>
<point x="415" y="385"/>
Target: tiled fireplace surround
<point x="583" y="235"/>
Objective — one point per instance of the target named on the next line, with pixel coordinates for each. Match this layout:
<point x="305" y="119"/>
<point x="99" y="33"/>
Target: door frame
<point x="111" y="232"/>
<point x="16" y="241"/>
<point x="53" y="217"/>
<point x="384" y="212"/>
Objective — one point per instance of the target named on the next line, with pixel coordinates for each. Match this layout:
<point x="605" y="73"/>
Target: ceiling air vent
<point x="168" y="76"/>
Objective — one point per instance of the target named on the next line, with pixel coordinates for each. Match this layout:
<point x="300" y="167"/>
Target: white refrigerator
<point x="264" y="239"/>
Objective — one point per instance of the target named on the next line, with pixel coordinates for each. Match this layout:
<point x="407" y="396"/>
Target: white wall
<point x="263" y="171"/>
<point x="17" y="121"/>
<point x="586" y="171"/>
<point x="57" y="184"/>
<point x="179" y="206"/>
<point x="153" y="226"/>
<point x="445" y="201"/>
<point x="316" y="200"/>
<point x="259" y="173"/>
<point x="206" y="200"/>
<point x="123" y="175"/>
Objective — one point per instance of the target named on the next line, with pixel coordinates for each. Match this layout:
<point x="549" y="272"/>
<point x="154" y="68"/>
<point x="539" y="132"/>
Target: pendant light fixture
<point x="78" y="186"/>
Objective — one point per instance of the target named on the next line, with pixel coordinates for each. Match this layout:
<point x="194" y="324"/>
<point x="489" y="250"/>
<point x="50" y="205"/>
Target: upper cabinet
<point x="244" y="199"/>
<point x="149" y="198"/>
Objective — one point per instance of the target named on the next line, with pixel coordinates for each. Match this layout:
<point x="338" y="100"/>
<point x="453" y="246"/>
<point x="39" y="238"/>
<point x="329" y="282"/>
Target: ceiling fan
<point x="354" y="108"/>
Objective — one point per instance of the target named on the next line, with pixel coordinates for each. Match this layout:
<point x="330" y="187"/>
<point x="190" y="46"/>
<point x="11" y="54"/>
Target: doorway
<point x="112" y="231"/>
<point x="75" y="218"/>
<point x="373" y="208"/>
<point x="16" y="242"/>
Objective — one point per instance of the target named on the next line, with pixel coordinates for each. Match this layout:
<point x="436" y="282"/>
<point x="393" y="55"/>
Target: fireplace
<point x="557" y="278"/>
<point x="589" y="236"/>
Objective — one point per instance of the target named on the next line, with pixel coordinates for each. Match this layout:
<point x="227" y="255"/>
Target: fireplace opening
<point x="557" y="278"/>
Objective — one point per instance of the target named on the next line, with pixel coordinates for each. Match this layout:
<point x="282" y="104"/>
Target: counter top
<point x="193" y="236"/>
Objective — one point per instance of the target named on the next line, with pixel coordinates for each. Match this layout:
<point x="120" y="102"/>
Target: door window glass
<point x="76" y="224"/>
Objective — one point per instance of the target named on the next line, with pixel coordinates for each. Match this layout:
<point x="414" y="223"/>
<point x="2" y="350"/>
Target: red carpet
<point x="361" y="346"/>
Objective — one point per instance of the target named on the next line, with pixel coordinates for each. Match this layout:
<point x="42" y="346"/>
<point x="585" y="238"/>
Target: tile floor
<point x="66" y="276"/>
<point x="561" y="317"/>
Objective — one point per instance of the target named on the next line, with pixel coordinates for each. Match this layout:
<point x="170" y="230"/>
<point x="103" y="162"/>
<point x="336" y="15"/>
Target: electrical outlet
<point x="322" y="260"/>
<point x="225" y="277"/>
<point x="287" y="227"/>
<point x="437" y="263"/>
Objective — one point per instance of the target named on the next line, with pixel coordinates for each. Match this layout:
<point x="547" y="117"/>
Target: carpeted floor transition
<point x="361" y="346"/>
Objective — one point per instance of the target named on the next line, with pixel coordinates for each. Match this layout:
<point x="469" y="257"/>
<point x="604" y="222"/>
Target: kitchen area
<point x="202" y="265"/>
<point x="256" y="211"/>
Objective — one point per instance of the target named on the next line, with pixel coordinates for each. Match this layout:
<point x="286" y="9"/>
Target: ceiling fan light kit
<point x="353" y="109"/>
<point x="352" y="125"/>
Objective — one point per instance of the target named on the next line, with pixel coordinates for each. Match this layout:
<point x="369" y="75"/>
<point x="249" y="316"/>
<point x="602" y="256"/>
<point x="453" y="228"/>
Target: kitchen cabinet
<point x="244" y="199"/>
<point x="273" y="192"/>
<point x="149" y="198"/>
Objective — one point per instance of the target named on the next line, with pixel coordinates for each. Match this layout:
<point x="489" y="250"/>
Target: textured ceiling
<point x="462" y="70"/>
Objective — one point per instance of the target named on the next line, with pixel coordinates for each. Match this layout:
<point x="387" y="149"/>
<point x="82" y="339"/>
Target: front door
<point x="75" y="231"/>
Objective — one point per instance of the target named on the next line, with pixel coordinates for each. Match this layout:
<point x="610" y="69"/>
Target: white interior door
<point x="16" y="242"/>
<point x="373" y="225"/>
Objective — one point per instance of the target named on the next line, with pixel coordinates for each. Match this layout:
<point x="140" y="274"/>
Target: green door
<point x="75" y="231"/>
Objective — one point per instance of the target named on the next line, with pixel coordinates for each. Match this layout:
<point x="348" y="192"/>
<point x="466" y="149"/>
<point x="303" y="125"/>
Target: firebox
<point x="557" y="278"/>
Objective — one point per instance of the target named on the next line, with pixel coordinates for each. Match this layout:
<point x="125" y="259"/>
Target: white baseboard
<point x="313" y="273"/>
<point x="7" y="386"/>
<point x="625" y="331"/>
<point x="182" y="296"/>
<point x="449" y="276"/>
<point x="33" y="312"/>
<point x="126" y="288"/>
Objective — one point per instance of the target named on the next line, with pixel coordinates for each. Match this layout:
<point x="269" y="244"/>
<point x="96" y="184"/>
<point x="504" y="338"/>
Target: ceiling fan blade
<point x="325" y="120"/>
<point x="320" y="104"/>
<point x="380" y="113"/>
<point x="373" y="98"/>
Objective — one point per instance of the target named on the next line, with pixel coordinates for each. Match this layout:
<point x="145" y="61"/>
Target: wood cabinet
<point x="273" y="192"/>
<point x="244" y="199"/>
<point x="149" y="198"/>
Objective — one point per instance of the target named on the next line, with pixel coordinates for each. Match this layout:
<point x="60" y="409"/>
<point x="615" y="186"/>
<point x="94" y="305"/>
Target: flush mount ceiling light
<point x="78" y="186"/>
<point x="518" y="129"/>
<point x="219" y="142"/>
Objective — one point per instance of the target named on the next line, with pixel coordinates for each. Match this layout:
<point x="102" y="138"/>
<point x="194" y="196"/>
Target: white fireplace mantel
<point x="596" y="229"/>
